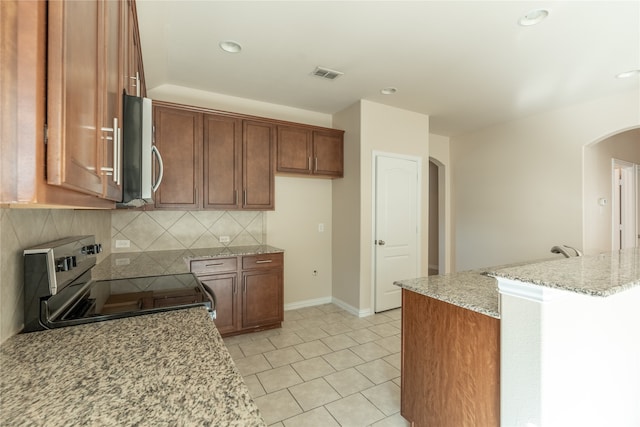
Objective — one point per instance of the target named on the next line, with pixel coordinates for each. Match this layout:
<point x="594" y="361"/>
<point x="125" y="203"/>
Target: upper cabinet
<point x="308" y="151"/>
<point x="64" y="121"/>
<point x="213" y="161"/>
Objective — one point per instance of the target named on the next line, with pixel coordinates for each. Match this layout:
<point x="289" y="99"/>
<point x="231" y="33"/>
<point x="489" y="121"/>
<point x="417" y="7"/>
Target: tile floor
<point x="324" y="367"/>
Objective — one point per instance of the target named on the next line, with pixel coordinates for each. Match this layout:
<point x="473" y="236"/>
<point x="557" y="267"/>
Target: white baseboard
<point x="351" y="309"/>
<point x="307" y="303"/>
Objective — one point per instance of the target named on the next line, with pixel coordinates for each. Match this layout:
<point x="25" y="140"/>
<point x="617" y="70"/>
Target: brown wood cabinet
<point x="214" y="161"/>
<point x="256" y="302"/>
<point x="450" y="364"/>
<point x="305" y="151"/>
<point x="178" y="136"/>
<point x="62" y="83"/>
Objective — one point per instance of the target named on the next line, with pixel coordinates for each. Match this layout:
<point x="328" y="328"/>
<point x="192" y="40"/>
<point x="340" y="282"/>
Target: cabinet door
<point x="262" y="300"/>
<point x="74" y="121"/>
<point x="178" y="136"/>
<point x="258" y="165"/>
<point x="294" y="150"/>
<point x="111" y="117"/>
<point x="224" y="286"/>
<point x="222" y="149"/>
<point x="328" y="153"/>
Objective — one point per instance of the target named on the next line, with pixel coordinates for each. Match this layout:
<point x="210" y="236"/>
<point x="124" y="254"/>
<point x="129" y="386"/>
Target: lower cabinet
<point x="256" y="302"/>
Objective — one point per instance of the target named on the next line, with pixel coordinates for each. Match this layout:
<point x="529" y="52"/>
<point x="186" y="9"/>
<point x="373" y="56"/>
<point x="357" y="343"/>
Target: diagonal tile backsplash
<point x="169" y="230"/>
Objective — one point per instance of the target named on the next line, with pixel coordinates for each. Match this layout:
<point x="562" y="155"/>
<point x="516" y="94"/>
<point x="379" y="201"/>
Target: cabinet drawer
<point x="251" y="262"/>
<point x="214" y="265"/>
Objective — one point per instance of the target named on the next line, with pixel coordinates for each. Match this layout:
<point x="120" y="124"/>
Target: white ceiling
<point x="466" y="64"/>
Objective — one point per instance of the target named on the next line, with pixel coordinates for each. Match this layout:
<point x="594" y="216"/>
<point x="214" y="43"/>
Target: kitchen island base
<point x="450" y="364"/>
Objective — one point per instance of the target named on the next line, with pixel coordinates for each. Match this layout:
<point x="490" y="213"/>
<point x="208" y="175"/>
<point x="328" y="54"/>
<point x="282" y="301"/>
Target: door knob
<point x="380" y="242"/>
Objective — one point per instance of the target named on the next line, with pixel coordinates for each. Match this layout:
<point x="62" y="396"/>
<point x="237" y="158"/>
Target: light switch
<point x="224" y="239"/>
<point x="123" y="243"/>
<point x="321" y="228"/>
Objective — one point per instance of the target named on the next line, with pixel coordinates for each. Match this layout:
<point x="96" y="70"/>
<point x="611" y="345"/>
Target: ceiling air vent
<point x="326" y="73"/>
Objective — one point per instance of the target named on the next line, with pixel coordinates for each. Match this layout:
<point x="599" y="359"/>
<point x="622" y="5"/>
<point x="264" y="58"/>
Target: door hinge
<point x="46" y="142"/>
<point x="46" y="134"/>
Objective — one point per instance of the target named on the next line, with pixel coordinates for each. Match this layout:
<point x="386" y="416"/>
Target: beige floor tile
<point x="314" y="393"/>
<point x="364" y="336"/>
<point x="261" y="335"/>
<point x="379" y="318"/>
<point x="394" y="360"/>
<point x="256" y="347"/>
<point x="336" y="328"/>
<point x="279" y="378"/>
<point x="392" y="343"/>
<point x="378" y="371"/>
<point x="385" y="330"/>
<point x="284" y="356"/>
<point x="312" y="322"/>
<point x="252" y="364"/>
<point x="339" y="342"/>
<point x="312" y="368"/>
<point x="397" y="323"/>
<point x="318" y="417"/>
<point x="343" y="359"/>
<point x="394" y="314"/>
<point x="356" y="323"/>
<point x="285" y="340"/>
<point x="312" y="349"/>
<point x="398" y="381"/>
<point x="237" y="339"/>
<point x="330" y="308"/>
<point x="291" y="325"/>
<point x="385" y="396"/>
<point x="354" y="411"/>
<point x="310" y="312"/>
<point x="369" y="351"/>
<point x="235" y="352"/>
<point x="278" y="424"/>
<point x="395" y="420"/>
<point x="333" y="318"/>
<point x="254" y="386"/>
<point x="311" y="334"/>
<point x="292" y="315"/>
<point x="348" y="382"/>
<point x="277" y="406"/>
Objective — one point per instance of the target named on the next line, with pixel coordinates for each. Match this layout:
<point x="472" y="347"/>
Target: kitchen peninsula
<point x="540" y="344"/>
<point x="160" y="369"/>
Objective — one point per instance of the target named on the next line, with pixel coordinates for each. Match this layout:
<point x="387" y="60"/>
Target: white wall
<point x="439" y="153"/>
<point x="518" y="185"/>
<point x="301" y="203"/>
<point x="346" y="214"/>
<point x="597" y="184"/>
<point x="392" y="130"/>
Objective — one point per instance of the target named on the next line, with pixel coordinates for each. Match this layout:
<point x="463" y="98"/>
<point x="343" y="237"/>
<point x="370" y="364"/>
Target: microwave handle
<point x="154" y="150"/>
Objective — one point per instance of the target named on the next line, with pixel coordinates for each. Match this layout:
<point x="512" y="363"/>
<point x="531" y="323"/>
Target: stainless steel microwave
<point x="140" y="177"/>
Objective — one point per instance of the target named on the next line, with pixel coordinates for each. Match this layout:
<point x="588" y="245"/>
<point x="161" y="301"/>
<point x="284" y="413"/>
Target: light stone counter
<point x="126" y="265"/>
<point x="166" y="369"/>
<point x="472" y="290"/>
<point x="597" y="275"/>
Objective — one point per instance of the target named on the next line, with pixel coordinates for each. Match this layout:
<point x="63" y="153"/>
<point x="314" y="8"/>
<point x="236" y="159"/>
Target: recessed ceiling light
<point x="388" y="91"/>
<point x="230" y="46"/>
<point x="628" y="74"/>
<point x="534" y="17"/>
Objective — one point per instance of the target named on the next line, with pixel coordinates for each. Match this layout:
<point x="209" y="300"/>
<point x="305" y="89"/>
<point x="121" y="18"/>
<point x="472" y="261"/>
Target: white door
<point x="624" y="205"/>
<point x="396" y="230"/>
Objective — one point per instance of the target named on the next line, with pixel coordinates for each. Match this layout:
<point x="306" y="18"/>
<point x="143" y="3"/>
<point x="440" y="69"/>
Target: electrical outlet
<point x="123" y="243"/>
<point x="123" y="261"/>
<point x="224" y="239"/>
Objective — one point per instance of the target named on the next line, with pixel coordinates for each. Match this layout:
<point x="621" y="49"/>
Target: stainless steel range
<point x="59" y="290"/>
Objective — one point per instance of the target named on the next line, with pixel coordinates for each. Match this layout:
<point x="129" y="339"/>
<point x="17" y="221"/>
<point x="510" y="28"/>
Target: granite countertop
<point x="125" y="265"/>
<point x="596" y="275"/>
<point x="162" y="369"/>
<point x="472" y="290"/>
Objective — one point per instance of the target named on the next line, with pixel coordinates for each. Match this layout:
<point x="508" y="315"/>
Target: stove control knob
<point x="65" y="263"/>
<point x="92" y="249"/>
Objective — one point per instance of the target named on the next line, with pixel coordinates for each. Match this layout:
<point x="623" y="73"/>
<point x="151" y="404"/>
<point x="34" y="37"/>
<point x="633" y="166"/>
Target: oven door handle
<point x="211" y="294"/>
